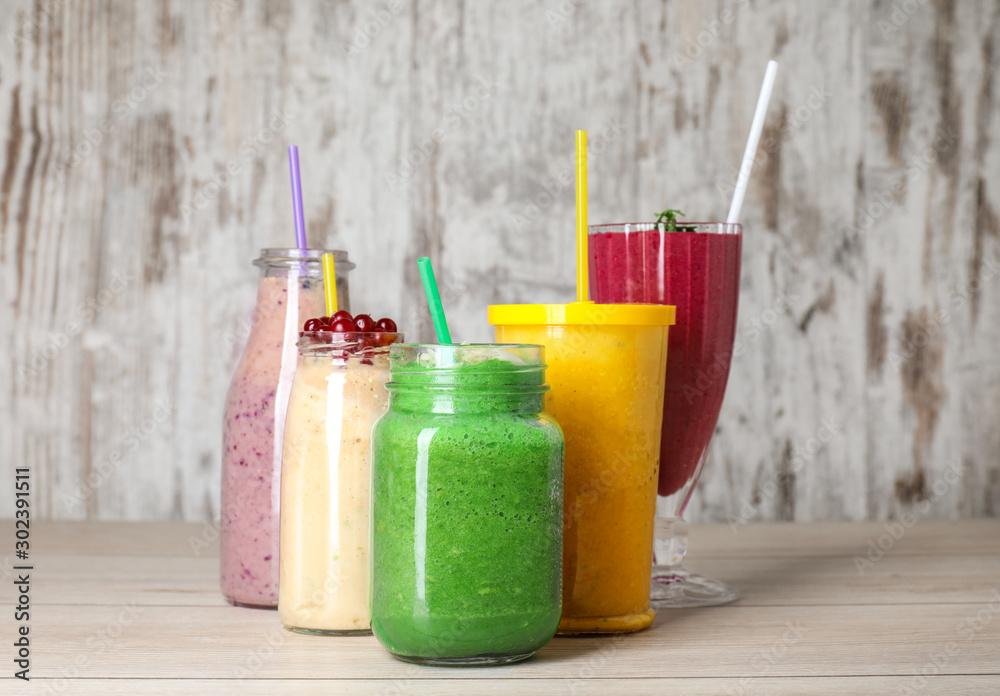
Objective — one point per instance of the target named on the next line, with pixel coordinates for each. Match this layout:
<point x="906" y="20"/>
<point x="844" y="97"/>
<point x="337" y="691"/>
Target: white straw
<point x="755" y="129"/>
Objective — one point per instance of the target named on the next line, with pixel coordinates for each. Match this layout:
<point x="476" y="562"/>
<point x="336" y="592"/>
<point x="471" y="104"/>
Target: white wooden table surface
<point x="130" y="608"/>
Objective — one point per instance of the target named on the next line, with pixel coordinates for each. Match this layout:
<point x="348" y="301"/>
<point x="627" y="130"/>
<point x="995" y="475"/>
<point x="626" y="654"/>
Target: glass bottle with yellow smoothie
<point x="337" y="395"/>
<point x="606" y="368"/>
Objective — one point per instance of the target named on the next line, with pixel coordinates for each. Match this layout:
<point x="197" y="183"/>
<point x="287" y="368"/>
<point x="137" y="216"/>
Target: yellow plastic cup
<point x="606" y="367"/>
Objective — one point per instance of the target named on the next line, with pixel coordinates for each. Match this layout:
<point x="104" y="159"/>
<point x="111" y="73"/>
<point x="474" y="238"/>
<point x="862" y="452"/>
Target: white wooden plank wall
<point x="870" y="286"/>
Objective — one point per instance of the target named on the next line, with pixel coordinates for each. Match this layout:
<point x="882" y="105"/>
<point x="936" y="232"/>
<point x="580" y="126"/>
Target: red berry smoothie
<point x="252" y="438"/>
<point x="699" y="273"/>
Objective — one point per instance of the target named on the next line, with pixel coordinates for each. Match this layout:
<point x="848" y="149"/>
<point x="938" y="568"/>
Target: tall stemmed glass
<point x="696" y="267"/>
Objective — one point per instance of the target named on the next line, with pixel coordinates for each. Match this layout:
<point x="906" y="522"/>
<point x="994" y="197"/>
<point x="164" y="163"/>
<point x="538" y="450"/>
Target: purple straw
<point x="300" y="218"/>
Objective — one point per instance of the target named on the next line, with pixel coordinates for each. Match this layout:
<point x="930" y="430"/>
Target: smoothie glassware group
<point x="623" y="407"/>
<point x="466" y="502"/>
<point x="426" y="493"/>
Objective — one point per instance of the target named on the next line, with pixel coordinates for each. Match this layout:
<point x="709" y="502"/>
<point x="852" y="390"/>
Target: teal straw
<point x="434" y="300"/>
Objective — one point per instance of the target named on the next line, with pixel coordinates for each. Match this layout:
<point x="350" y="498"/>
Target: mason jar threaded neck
<point x="469" y="378"/>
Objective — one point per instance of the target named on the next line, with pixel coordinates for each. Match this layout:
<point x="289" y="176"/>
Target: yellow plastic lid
<point x="582" y="313"/>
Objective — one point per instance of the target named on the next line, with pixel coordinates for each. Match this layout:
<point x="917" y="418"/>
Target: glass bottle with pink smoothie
<point x="290" y="290"/>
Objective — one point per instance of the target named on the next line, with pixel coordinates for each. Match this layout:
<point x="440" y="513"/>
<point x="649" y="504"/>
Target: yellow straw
<point x="581" y="216"/>
<point x="330" y="284"/>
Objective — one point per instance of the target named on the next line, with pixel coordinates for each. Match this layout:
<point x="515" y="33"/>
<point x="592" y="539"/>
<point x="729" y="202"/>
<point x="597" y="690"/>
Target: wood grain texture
<point x="818" y="686"/>
<point x="818" y="563"/>
<point x="142" y="166"/>
<point x="114" y="615"/>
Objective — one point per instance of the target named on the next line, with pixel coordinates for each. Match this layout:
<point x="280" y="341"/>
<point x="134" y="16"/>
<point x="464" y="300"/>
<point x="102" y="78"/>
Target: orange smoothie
<point x="606" y="372"/>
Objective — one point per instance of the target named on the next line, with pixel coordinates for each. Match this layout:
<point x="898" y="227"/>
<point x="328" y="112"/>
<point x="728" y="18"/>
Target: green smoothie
<point x="467" y="509"/>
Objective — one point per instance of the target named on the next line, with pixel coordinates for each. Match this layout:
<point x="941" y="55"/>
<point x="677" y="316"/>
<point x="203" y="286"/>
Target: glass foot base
<point x="676" y="588"/>
<point x="474" y="661"/>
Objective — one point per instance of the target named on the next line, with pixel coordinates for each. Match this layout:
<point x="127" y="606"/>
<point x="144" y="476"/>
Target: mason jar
<point x="467" y="489"/>
<point x="337" y="394"/>
<point x="290" y="290"/>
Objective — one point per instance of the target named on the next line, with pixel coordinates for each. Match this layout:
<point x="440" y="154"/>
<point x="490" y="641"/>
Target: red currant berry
<point x="343" y="326"/>
<point x="385" y="324"/>
<point x="364" y="322"/>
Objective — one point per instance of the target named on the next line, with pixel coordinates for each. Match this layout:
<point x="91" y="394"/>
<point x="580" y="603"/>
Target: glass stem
<point x="670" y="542"/>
